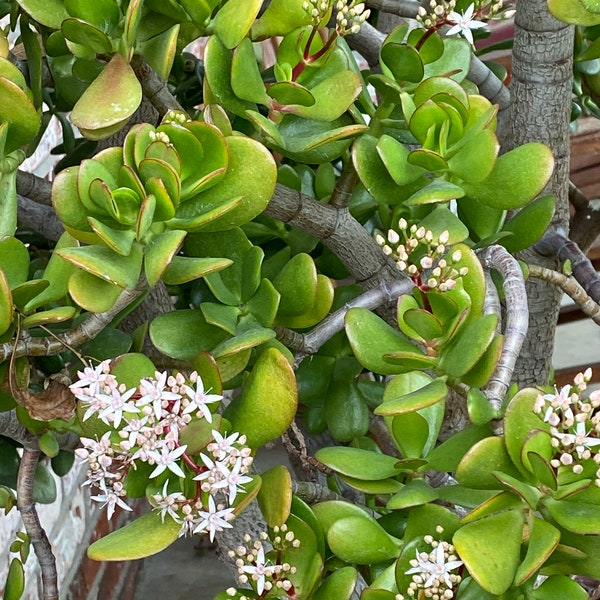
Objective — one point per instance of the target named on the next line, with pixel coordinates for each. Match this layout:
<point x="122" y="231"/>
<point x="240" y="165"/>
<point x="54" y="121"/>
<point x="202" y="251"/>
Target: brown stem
<point x="33" y="527"/>
<point x="154" y="87"/>
<point x="342" y="193"/>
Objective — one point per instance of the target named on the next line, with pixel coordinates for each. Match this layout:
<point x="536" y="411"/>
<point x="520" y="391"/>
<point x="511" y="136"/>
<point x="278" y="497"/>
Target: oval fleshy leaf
<point x="275" y="496"/>
<point x="143" y="537"/>
<point x="517" y="177"/>
<point x="427" y="395"/>
<point x="490" y="549"/>
<point x="18" y="111"/>
<point x="159" y="253"/>
<point x="234" y="20"/>
<point x="121" y="95"/>
<point x="52" y="315"/>
<point x="268" y="402"/>
<point x="371" y="337"/>
<point x="543" y="539"/>
<point x="375" y="546"/>
<point x="91" y="292"/>
<point x="358" y="463"/>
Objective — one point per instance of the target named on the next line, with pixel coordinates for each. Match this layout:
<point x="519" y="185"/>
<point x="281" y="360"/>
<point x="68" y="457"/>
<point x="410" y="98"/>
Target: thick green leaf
<point x="275" y="495"/>
<point x="375" y="545"/>
<point x="268" y="402"/>
<point x="358" y="463"/>
<point x="121" y="93"/>
<point x="52" y="315"/>
<point x="475" y="160"/>
<point x="14" y="261"/>
<point x="47" y="12"/>
<point x="80" y="32"/>
<point x="91" y="292"/>
<point x="297" y="285"/>
<point x="338" y="586"/>
<point x="403" y="62"/>
<point x="159" y="253"/>
<point x="371" y="337"/>
<point x="198" y="434"/>
<point x="101" y="261"/>
<point x="465" y="349"/>
<point x="528" y="225"/>
<point x="346" y="411"/>
<point x="143" y="537"/>
<point x="414" y="493"/>
<point x="577" y="517"/>
<point x="246" y="80"/>
<point x="15" y="580"/>
<point x="517" y="177"/>
<point x="394" y="155"/>
<point x="280" y="17"/>
<point x="487" y="455"/>
<point x="251" y="174"/>
<point x="519" y="423"/>
<point x="427" y="395"/>
<point x="543" y="539"/>
<point x="490" y="549"/>
<point x="559" y="586"/>
<point x="18" y="111"/>
<point x="183" y="333"/>
<point x="574" y="12"/>
<point x="234" y="20"/>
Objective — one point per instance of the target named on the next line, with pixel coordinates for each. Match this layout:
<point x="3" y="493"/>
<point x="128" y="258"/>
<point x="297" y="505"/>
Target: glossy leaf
<point x="371" y="338"/>
<point x="120" y="270"/>
<point x="394" y="155"/>
<point x="19" y="112"/>
<point x="47" y="12"/>
<point x="275" y="495"/>
<point x="52" y="315"/>
<point x="15" y="580"/>
<point x="268" y="402"/>
<point x="346" y="412"/>
<point x="528" y="225"/>
<point x="246" y="80"/>
<point x="574" y="13"/>
<point x="543" y="539"/>
<point x="143" y="537"/>
<point x="403" y="62"/>
<point x="427" y="395"/>
<point x="121" y="92"/>
<point x="520" y="174"/>
<point x="338" y="586"/>
<point x="468" y="346"/>
<point x="577" y="517"/>
<point x="487" y="455"/>
<point x="159" y="253"/>
<point x="375" y="544"/>
<point x="280" y="17"/>
<point x="92" y="293"/>
<point x="358" y="463"/>
<point x="414" y="493"/>
<point x="234" y="20"/>
<point x="490" y="549"/>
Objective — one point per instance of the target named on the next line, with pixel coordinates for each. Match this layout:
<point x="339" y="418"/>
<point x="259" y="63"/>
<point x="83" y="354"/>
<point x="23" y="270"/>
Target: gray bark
<point x="540" y="107"/>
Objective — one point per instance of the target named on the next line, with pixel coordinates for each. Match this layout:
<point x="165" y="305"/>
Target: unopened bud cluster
<point x="436" y="13"/>
<point x="259" y="564"/>
<point x="350" y="16"/>
<point x="574" y="426"/>
<point x="423" y="256"/>
<point x="317" y="9"/>
<point x="432" y="570"/>
<point x="144" y="425"/>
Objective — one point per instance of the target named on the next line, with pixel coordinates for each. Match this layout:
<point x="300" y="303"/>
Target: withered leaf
<point x="54" y="402"/>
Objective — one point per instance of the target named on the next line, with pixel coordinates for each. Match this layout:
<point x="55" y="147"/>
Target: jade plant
<point x="314" y="231"/>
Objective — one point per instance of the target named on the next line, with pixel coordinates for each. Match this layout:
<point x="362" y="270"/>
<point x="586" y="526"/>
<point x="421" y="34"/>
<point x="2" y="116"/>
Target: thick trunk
<point x="541" y="101"/>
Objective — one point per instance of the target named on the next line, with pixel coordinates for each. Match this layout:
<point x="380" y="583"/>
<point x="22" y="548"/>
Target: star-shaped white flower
<point x="109" y="499"/>
<point x="199" y="399"/>
<point x="153" y="392"/>
<point x="463" y="23"/>
<point x="435" y="570"/>
<point x="167" y="503"/>
<point x="258" y="571"/>
<point x="167" y="459"/>
<point x="214" y="519"/>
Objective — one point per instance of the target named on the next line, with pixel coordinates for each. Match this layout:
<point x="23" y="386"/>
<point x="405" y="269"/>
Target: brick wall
<point x="72" y="523"/>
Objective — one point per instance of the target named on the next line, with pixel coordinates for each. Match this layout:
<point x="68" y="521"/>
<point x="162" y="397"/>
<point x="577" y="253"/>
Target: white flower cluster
<point x="421" y="256"/>
<point x="432" y="571"/>
<point x="263" y="574"/>
<point x="350" y="16"/>
<point x="574" y="426"/>
<point x="144" y="426"/>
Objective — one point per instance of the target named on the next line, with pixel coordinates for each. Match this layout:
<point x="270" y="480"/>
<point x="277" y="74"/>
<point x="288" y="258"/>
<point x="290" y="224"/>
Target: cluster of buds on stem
<point x="436" y="15"/>
<point x="432" y="571"/>
<point x="318" y="10"/>
<point x="260" y="565"/>
<point x="350" y="16"/>
<point x="422" y="256"/>
<point x="145" y="425"/>
<point x="574" y="426"/>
